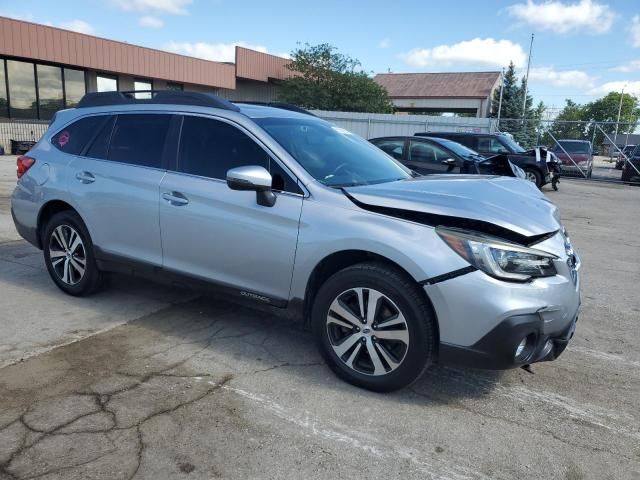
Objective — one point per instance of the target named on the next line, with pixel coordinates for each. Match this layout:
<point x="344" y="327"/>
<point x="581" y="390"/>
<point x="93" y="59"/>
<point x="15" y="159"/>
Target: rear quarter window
<point x="73" y="138"/>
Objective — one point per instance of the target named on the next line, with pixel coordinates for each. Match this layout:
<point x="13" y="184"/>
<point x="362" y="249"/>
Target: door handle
<point x="85" y="177"/>
<point x="175" y="198"/>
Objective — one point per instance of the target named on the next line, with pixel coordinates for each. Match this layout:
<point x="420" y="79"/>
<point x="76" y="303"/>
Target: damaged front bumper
<point x="482" y="320"/>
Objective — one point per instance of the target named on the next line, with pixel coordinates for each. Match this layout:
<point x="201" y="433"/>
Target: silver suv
<point x="393" y="271"/>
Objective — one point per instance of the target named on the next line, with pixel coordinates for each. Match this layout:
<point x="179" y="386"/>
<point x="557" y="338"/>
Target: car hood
<point x="512" y="204"/>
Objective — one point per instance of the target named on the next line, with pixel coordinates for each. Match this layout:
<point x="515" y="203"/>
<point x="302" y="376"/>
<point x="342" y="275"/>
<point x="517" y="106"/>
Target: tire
<point x="534" y="176"/>
<point x="67" y="247"/>
<point x="404" y="349"/>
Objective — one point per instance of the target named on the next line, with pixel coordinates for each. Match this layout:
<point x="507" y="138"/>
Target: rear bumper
<point x="30" y="234"/>
<point x="496" y="350"/>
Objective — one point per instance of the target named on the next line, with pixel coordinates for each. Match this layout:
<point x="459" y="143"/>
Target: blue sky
<point x="582" y="49"/>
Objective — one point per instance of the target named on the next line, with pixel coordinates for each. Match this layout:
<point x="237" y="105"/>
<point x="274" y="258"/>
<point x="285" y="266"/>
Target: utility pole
<point x="501" y="92"/>
<point x="526" y="79"/>
<point x="615" y="138"/>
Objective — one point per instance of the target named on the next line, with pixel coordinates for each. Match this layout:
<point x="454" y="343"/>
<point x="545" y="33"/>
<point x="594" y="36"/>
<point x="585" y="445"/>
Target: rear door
<point x="427" y="158"/>
<point x="393" y="146"/>
<point x="115" y="182"/>
<point x="220" y="235"/>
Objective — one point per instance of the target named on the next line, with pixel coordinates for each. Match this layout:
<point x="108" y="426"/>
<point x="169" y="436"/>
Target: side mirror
<point x="449" y="161"/>
<point x="253" y="178"/>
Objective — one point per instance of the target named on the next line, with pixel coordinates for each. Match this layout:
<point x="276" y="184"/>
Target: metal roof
<point x="438" y="85"/>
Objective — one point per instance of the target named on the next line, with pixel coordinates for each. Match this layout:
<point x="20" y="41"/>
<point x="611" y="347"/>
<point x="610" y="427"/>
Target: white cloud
<point x="630" y="66"/>
<point x="564" y="78"/>
<point x="585" y="15"/>
<point x="150" y="22"/>
<point x="635" y="31"/>
<point x="219" y="52"/>
<point x="632" y="87"/>
<point x="79" y="26"/>
<point x="169" y="7"/>
<point x="384" y="43"/>
<point x="479" y="51"/>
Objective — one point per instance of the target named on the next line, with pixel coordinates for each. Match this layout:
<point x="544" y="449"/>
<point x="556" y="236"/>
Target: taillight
<point x="24" y="163"/>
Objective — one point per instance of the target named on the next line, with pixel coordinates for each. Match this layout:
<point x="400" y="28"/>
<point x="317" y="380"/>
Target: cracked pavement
<point x="158" y="383"/>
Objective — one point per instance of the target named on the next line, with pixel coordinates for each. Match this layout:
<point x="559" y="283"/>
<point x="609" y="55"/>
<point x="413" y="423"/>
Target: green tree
<point x="564" y="125"/>
<point x="511" y="106"/>
<point x="327" y="80"/>
<point x="605" y="109"/>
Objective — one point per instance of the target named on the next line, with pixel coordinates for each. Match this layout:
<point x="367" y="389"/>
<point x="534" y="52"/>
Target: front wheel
<point x="68" y="254"/>
<point x="533" y="176"/>
<point x="374" y="327"/>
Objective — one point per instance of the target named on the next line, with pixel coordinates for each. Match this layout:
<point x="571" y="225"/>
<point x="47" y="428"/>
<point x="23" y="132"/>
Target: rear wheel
<point x="374" y="327"/>
<point x="68" y="254"/>
<point x="533" y="176"/>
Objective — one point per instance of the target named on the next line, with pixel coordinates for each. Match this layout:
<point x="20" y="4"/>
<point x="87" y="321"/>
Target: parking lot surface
<point x="143" y="381"/>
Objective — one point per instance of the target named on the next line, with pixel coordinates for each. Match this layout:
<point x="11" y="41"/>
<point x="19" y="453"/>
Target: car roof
<point x="569" y="140"/>
<point x="432" y="134"/>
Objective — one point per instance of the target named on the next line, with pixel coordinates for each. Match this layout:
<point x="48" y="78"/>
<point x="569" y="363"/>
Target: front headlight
<point x="498" y="258"/>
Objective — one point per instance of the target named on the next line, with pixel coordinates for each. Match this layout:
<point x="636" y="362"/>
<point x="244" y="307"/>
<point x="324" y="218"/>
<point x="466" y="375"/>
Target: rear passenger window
<point x="73" y="138"/>
<point x="100" y="146"/>
<point x="139" y="139"/>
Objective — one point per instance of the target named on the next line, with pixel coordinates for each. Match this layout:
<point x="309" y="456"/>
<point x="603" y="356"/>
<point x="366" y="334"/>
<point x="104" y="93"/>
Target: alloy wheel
<point x="367" y="331"/>
<point x="67" y="254"/>
<point x="529" y="175"/>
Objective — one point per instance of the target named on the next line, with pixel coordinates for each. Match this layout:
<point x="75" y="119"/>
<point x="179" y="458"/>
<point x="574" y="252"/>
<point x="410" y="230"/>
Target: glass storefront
<point x="50" y="93"/>
<point x="107" y="83"/>
<point x="38" y="91"/>
<point x="23" y="102"/>
<point x="74" y="86"/>
<point x="140" y="86"/>
<point x="4" y="105"/>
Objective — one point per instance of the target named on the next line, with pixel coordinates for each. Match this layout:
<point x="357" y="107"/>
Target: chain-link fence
<point x="591" y="150"/>
<point x="16" y="137"/>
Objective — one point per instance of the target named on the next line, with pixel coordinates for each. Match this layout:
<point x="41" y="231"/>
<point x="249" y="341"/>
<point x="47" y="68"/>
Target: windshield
<point x="458" y="148"/>
<point x="511" y="144"/>
<point x="332" y="155"/>
<point x="574" y="147"/>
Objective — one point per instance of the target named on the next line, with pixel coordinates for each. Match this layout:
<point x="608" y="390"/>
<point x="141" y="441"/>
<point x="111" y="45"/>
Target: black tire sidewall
<point x="419" y="323"/>
<point x="91" y="278"/>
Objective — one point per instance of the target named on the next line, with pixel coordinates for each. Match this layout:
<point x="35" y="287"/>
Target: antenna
<point x="526" y="79"/>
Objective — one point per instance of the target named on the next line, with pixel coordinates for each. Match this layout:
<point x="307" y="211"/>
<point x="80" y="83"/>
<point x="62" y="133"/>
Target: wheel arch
<point x="47" y="211"/>
<point x="342" y="259"/>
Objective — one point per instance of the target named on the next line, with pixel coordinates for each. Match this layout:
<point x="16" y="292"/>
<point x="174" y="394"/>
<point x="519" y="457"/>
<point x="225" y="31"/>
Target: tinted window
<point x="22" y="89"/>
<point x="395" y="148"/>
<point x="210" y="148"/>
<point x="139" y="139"/>
<point x="49" y="90"/>
<point x="425" y="152"/>
<point x="73" y="138"/>
<point x="488" y="144"/>
<point x="74" y="86"/>
<point x="574" y="147"/>
<point x="332" y="155"/>
<point x="100" y="145"/>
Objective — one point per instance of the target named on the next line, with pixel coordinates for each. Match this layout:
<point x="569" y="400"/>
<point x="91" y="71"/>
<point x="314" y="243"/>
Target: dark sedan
<point x="438" y="155"/>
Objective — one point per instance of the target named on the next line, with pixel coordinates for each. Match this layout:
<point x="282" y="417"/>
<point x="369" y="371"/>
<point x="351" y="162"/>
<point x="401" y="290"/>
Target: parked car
<point x="576" y="157"/>
<point x="392" y="272"/>
<point x="437" y="155"/>
<point x="631" y="168"/>
<point x="490" y="144"/>
<point x="627" y="150"/>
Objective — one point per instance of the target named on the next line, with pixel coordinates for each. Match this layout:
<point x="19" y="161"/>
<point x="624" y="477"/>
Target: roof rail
<point x="283" y="106"/>
<point x="166" y="97"/>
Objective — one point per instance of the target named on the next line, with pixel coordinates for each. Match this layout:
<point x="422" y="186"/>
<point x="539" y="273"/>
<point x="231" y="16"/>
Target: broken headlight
<point x="497" y="257"/>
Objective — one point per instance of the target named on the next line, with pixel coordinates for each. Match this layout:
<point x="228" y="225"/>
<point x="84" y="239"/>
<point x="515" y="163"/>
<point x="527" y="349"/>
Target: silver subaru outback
<point x="393" y="271"/>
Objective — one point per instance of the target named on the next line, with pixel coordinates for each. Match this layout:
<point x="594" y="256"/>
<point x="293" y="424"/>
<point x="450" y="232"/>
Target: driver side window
<point x="427" y="153"/>
<point x="488" y="144"/>
<point x="210" y="148"/>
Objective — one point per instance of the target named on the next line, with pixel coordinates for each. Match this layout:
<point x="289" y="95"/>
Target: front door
<point x="427" y="158"/>
<point x="220" y="235"/>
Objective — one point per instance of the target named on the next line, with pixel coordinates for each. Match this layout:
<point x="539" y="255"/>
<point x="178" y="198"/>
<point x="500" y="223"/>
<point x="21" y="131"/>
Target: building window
<point x="74" y="86"/>
<point x="107" y="83"/>
<point x="175" y="86"/>
<point x="4" y="105"/>
<point x="22" y="89"/>
<point x="50" y="93"/>
<point x="141" y="85"/>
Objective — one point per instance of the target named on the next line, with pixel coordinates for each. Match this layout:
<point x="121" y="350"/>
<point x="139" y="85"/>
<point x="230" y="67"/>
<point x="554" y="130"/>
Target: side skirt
<point x="109" y="262"/>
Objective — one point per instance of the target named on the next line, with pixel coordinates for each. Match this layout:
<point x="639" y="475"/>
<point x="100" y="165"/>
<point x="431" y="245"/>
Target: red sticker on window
<point x="63" y="139"/>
